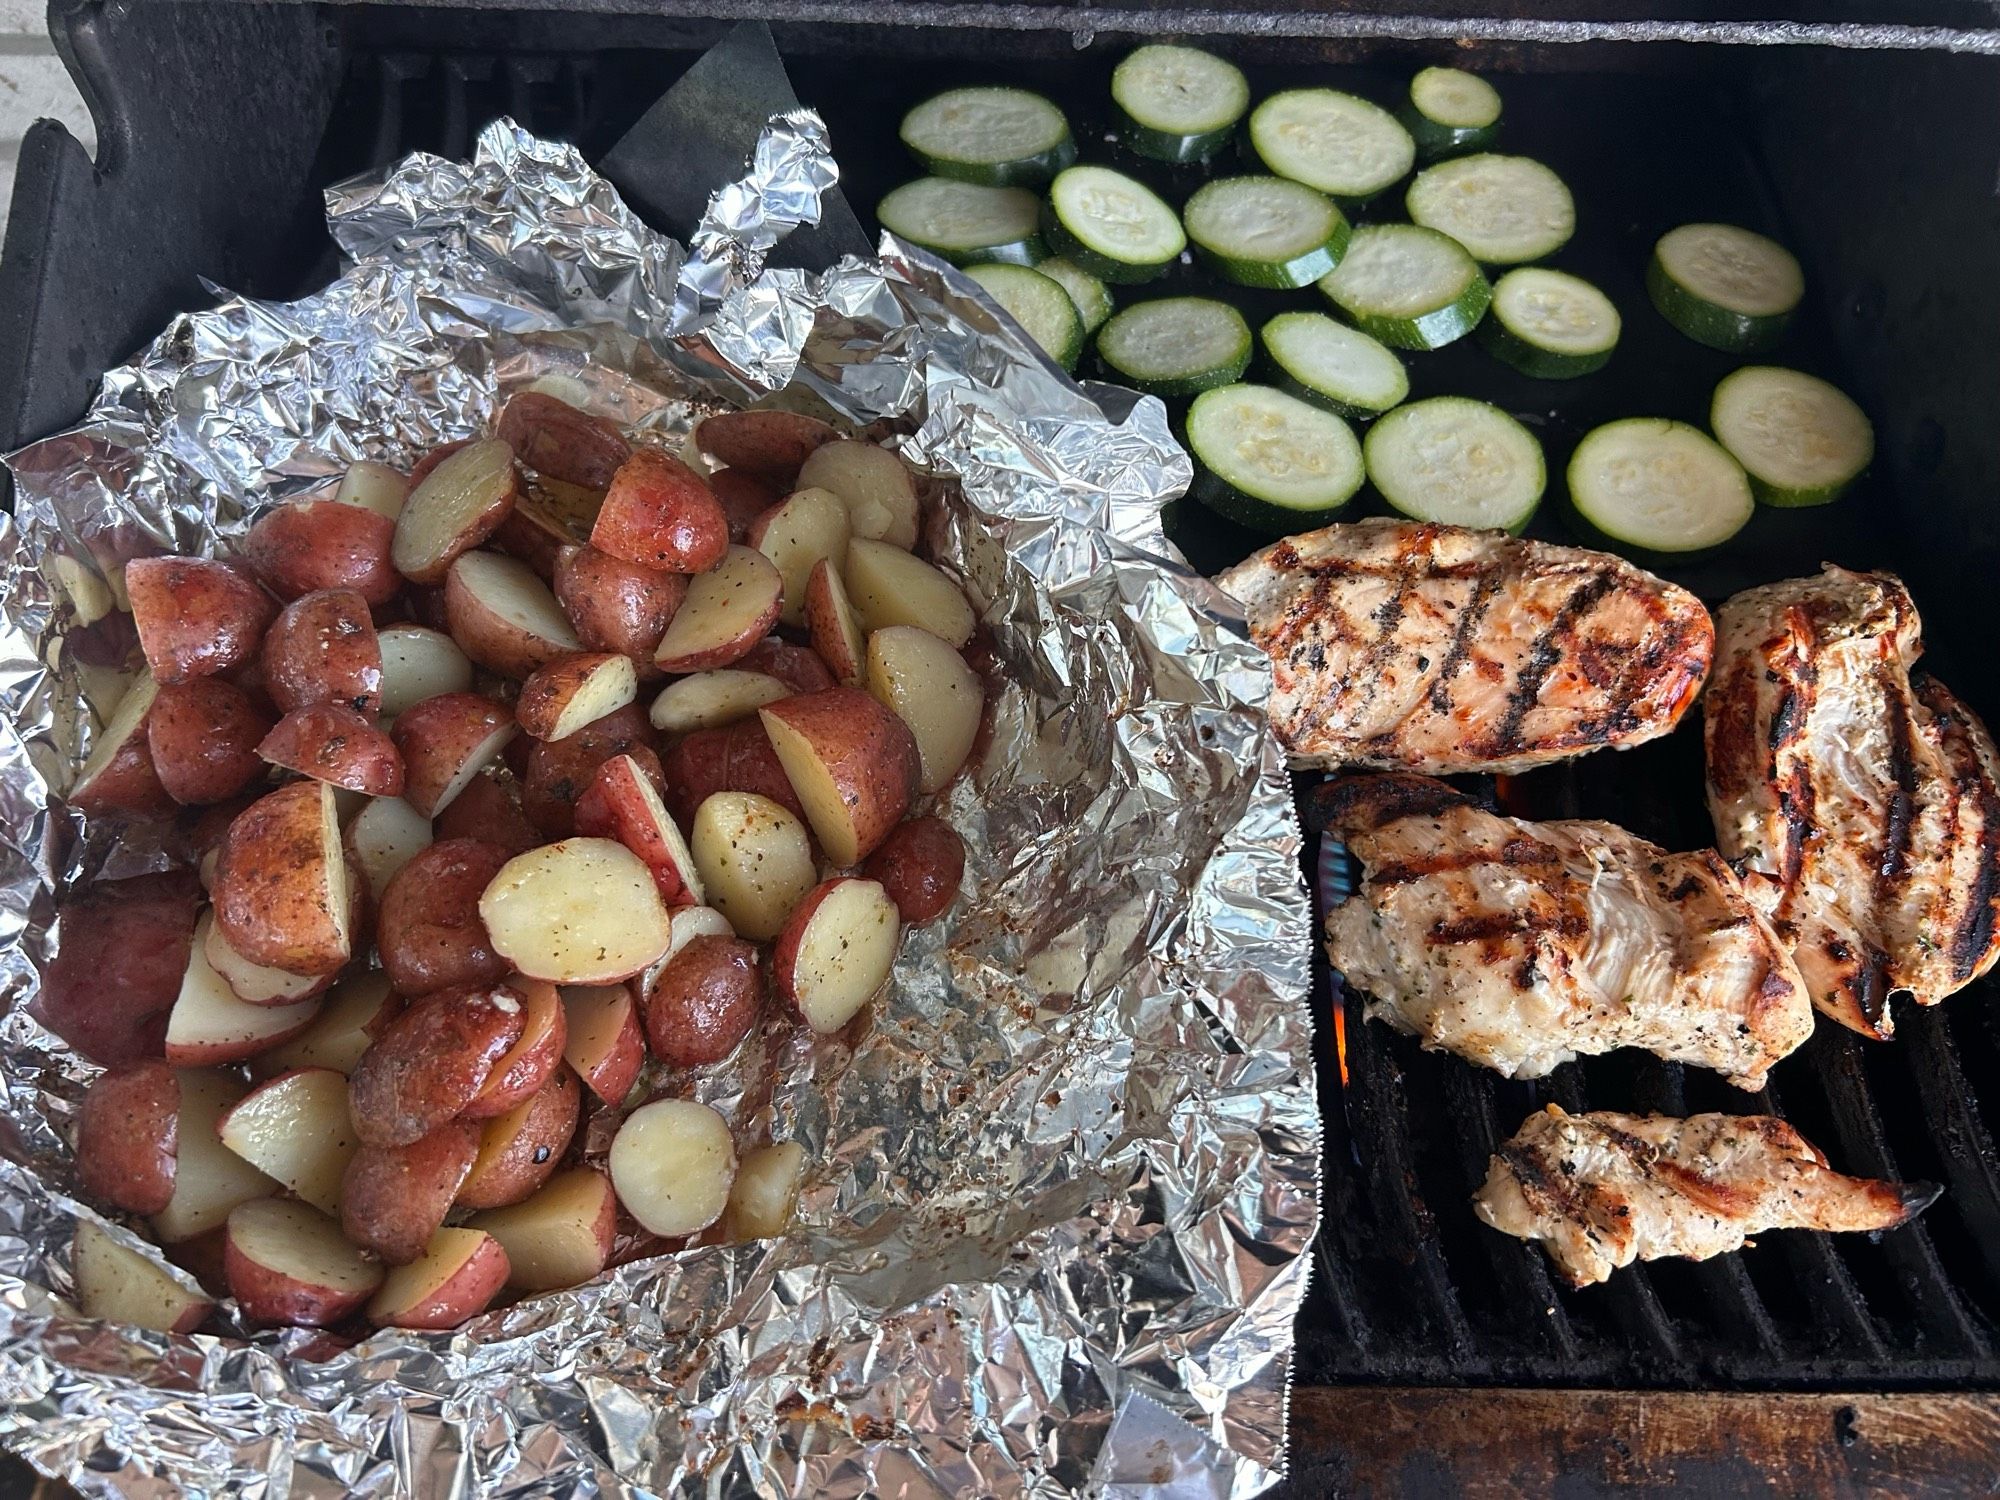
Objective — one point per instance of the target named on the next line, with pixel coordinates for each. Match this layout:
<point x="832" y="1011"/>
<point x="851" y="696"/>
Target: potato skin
<point x="421" y="469"/>
<point x="659" y="514"/>
<point x="322" y="649"/>
<point x="436" y="736"/>
<point x="796" y="667"/>
<point x="203" y="736"/>
<point x="128" y="1137"/>
<point x="735" y="758"/>
<point x="743" y="498"/>
<point x="558" y="772"/>
<point x="617" y="606"/>
<point x="434" y="1057"/>
<point x="561" y="441"/>
<point x="268" y="894"/>
<point x="394" y="1198"/>
<point x="124" y="947"/>
<point x="489" y="811"/>
<point x="920" y="865"/>
<point x="772" y="445"/>
<point x="331" y="742"/>
<point x="868" y="751"/>
<point x="549" y="687"/>
<point x="704" y="1001"/>
<point x="312" y="545"/>
<point x="195" y="617"/>
<point x="529" y="1063"/>
<point x="429" y="932"/>
<point x="520" y="1150"/>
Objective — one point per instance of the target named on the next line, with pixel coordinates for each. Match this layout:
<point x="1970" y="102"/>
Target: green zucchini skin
<point x="1301" y="270"/>
<point x="1705" y="322"/>
<point x="1261" y="516"/>
<point x="1541" y="364"/>
<point x="1434" y="329"/>
<point x="1103" y="267"/>
<point x="1023" y="171"/>
<point x="1164" y="145"/>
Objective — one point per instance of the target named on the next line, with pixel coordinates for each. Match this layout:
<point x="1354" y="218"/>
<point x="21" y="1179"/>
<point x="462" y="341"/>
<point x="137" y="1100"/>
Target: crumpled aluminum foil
<point x="1055" y="1231"/>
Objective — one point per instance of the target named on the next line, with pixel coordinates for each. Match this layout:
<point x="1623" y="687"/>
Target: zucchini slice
<point x="1458" y="462"/>
<point x="1801" y="441"/>
<point x="996" y="136"/>
<point x="1112" y="226"/>
<point x="1728" y="288"/>
<point x="1265" y="231"/>
<point x="1332" y="365"/>
<point x="1658" y="484"/>
<point x="1331" y="141"/>
<point x="1091" y="296"/>
<point x="1039" y="304"/>
<point x="964" y="222"/>
<point x="1410" y="287"/>
<point x="1451" y="111"/>
<point x="1550" y="324"/>
<point x="1504" y="209"/>
<point x="1271" y="461"/>
<point x="1179" y="103"/>
<point x="1176" y="346"/>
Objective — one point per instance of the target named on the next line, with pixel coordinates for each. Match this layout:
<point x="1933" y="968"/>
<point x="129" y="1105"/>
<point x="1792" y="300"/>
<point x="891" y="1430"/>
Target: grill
<point x="1876" y="164"/>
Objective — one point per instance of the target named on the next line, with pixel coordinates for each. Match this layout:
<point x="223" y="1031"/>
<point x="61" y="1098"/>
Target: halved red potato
<point x="287" y="1263"/>
<point x="874" y="484"/>
<point x="532" y="1060"/>
<point x="280" y="891"/>
<point x="672" y="1163"/>
<point x="426" y="466"/>
<point x="559" y="773"/>
<point x="772" y="445"/>
<point x="932" y="690"/>
<point x="491" y="812"/>
<point x="120" y="775"/>
<point x="453" y="508"/>
<point x="755" y="861"/>
<point x="890" y="587"/>
<point x="311" y="545"/>
<point x="433" y="1058"/>
<point x="556" y="439"/>
<point x="295" y="1130"/>
<point x="521" y="1149"/>
<point x="735" y="758"/>
<point x="209" y="1178"/>
<point x="836" y="950"/>
<point x="257" y="983"/>
<point x="419" y="663"/>
<point x="836" y="635"/>
<point x="383" y="837"/>
<point x="119" y="1285"/>
<point x="459" y="1273"/>
<point x="210" y="1026"/>
<point x="743" y="498"/>
<point x="560" y="698"/>
<point x="797" y="667"/>
<point x="330" y="742"/>
<point x="429" y="931"/>
<point x="708" y="700"/>
<point x="920" y="865"/>
<point x="807" y="527"/>
<point x="605" y="1044"/>
<point x="322" y="648"/>
<point x="582" y="911"/>
<point x="374" y="486"/>
<point x="659" y="514"/>
<point x="358" y="1010"/>
<point x="128" y="1137"/>
<point x="203" y="736"/>
<point x="394" y="1198"/>
<point x="503" y="616"/>
<point x="726" y="612"/>
<point x="688" y="923"/>
<point x="852" y="762"/>
<point x="195" y="617"/>
<point x="765" y="1193"/>
<point x="560" y="1237"/>
<point x="703" y="1001"/>
<point x="638" y="819"/>
<point x="446" y="741"/>
<point x="122" y="951"/>
<point x="616" y="605"/>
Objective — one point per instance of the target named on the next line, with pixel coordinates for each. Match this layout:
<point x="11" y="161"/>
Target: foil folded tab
<point x="1055" y="1230"/>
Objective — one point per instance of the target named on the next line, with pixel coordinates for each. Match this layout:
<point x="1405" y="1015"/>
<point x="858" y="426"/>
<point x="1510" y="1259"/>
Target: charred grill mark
<point x="1409" y="573"/>
<point x="1461" y="640"/>
<point x="1870" y="989"/>
<point x="1516" y="853"/>
<point x="1894" y="865"/>
<point x="1553" y="1191"/>
<point x="1542" y="656"/>
<point x="1490" y="926"/>
<point x="1366" y="803"/>
<point x="1972" y="943"/>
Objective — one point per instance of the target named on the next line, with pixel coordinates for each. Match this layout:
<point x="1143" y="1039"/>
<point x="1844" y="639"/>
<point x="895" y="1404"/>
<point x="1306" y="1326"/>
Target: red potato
<point x="736" y="758"/>
<point x="659" y="514"/>
<point x="445" y="742"/>
<point x="295" y="1130"/>
<point x="122" y="953"/>
<point x="312" y="545"/>
<point x="890" y="587"/>
<point x="672" y="1163"/>
<point x="709" y="700"/>
<point x="120" y="775"/>
<point x="424" y="467"/>
<point x="330" y="742"/>
<point x="604" y="1045"/>
<point x="582" y="911"/>
<point x="323" y="649"/>
<point x="560" y="698"/>
<point x="559" y="772"/>
<point x="429" y="932"/>
<point x="453" y="508"/>
<point x="807" y="527"/>
<point x="852" y="762"/>
<point x="383" y="837"/>
<point x="520" y="1150"/>
<point x="490" y="812"/>
<point x="616" y="605"/>
<point x="287" y="1264"/>
<point x="419" y="663"/>
<point x="394" y="1198"/>
<point x="203" y="736"/>
<point x="209" y="1178"/>
<point x="119" y="1285"/>
<point x="535" y="535"/>
<point x="920" y="865"/>
<point x="554" y="438"/>
<point x="765" y="1193"/>
<point x="281" y="892"/>
<point x="836" y="951"/>
<point x="796" y="667"/>
<point x="725" y="614"/>
<point x="743" y="498"/>
<point x="632" y="813"/>
<point x="931" y="689"/>
<point x="771" y="445"/>
<point x="374" y="486"/>
<point x="201" y="1257"/>
<point x="704" y="1001"/>
<point x="195" y="617"/>
<point x="830" y="621"/>
<point x="688" y="923"/>
<point x="532" y="1060"/>
<point x="876" y="486"/>
<point x="128" y="1137"/>
<point x="755" y="861"/>
<point x="256" y="983"/>
<point x="459" y="1273"/>
<point x="210" y="1026"/>
<point x="431" y="1061"/>
<point x="358" y="1010"/>
<point x="560" y="1237"/>
<point x="503" y="616"/>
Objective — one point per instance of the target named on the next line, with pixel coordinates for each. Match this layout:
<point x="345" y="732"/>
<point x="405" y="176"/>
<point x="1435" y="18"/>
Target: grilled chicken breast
<point x="1603" y="1190"/>
<point x="1410" y="646"/>
<point x="1520" y="945"/>
<point x="1860" y="803"/>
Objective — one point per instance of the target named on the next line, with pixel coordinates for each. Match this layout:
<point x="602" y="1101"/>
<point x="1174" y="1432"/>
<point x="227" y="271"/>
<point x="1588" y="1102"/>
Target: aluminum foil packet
<point x="1055" y="1229"/>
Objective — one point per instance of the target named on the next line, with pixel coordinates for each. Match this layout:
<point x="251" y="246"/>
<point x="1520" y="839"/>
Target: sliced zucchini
<point x="1179" y="103"/>
<point x="995" y="136"/>
<point x="1331" y="141"/>
<point x="1176" y="346"/>
<point x="1801" y="441"/>
<point x="1112" y="226"/>
<point x="1722" y="286"/>
<point x="1091" y="296"/>
<point x="1410" y="287"/>
<point x="1266" y="231"/>
<point x="1458" y="462"/>
<point x="1039" y="304"/>
<point x="1660" y="485"/>
<point x="1504" y="209"/>
<point x="964" y="222"/>
<point x="1269" y="460"/>
<point x="1451" y="111"/>
<point x="1550" y="324"/>
<point x="1332" y="365"/>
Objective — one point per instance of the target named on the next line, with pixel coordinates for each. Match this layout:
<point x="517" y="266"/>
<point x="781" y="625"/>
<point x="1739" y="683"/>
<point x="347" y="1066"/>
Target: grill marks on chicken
<point x="1405" y="645"/>
<point x="1862" y="804"/>
<point x="1520" y="945"/>
<point x="1602" y="1190"/>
